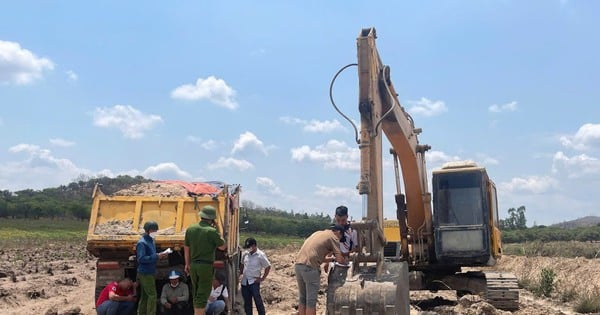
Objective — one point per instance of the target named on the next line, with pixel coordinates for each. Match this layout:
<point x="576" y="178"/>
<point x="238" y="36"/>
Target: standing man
<point x="253" y="262"/>
<point x="174" y="295"/>
<point x="146" y="267"/>
<point x="201" y="241"/>
<point x="348" y="244"/>
<point x="308" y="265"/>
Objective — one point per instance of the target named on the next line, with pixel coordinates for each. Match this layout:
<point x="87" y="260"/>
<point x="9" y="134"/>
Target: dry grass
<point x="588" y="302"/>
<point x="571" y="249"/>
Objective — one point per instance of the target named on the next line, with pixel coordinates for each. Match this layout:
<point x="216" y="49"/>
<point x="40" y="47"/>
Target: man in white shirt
<point x="219" y="296"/>
<point x="348" y="244"/>
<point x="253" y="262"/>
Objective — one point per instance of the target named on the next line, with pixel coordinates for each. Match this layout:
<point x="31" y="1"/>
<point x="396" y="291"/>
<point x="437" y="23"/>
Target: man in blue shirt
<point x="146" y="267"/>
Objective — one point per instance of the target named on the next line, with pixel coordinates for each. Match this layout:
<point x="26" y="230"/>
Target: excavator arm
<point x="381" y="112"/>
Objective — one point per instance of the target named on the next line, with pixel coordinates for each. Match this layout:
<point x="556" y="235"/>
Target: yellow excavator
<point x="432" y="239"/>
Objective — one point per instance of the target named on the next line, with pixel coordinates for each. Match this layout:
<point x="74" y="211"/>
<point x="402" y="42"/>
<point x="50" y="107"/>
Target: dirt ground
<point x="60" y="280"/>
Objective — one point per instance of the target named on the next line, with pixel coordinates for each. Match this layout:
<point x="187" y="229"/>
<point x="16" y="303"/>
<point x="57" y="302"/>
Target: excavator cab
<point x="464" y="215"/>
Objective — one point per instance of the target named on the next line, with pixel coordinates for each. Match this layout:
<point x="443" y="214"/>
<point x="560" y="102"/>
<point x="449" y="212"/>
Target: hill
<point x="577" y="223"/>
<point x="72" y="200"/>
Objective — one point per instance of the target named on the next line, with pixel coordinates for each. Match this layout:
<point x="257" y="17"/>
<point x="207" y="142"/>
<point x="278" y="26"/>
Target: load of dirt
<point x="116" y="227"/>
<point x="125" y="227"/>
<point x="156" y="189"/>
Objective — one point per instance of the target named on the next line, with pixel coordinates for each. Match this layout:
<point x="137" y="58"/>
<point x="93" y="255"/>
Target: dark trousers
<point x="250" y="292"/>
<point x="179" y="308"/>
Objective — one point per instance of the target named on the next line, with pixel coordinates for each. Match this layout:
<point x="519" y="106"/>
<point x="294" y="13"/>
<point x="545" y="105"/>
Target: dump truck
<point x="116" y="224"/>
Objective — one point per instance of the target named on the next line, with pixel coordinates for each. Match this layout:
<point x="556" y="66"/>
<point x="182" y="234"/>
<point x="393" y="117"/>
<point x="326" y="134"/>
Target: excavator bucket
<point x="367" y="293"/>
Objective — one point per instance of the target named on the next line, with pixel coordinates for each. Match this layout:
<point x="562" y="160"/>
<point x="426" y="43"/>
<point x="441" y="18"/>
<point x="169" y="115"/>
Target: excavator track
<point x="502" y="290"/>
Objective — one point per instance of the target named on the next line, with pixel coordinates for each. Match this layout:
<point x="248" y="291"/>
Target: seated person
<point x="117" y="298"/>
<point x="175" y="295"/>
<point x="219" y="296"/>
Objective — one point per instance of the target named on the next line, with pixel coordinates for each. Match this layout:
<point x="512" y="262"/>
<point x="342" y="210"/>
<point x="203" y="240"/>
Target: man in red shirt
<point x="117" y="298"/>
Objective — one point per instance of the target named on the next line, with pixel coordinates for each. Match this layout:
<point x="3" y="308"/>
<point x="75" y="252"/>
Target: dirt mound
<point x="116" y="227"/>
<point x="154" y="189"/>
<point x="54" y="279"/>
<point x="59" y="279"/>
<point x="572" y="274"/>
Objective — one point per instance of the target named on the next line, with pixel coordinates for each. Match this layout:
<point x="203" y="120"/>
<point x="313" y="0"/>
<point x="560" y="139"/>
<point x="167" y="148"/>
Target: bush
<point x="568" y="295"/>
<point x="588" y="302"/>
<point x="543" y="287"/>
<point x="546" y="285"/>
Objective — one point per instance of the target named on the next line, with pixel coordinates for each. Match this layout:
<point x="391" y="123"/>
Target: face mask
<point x="153" y="235"/>
<point x="175" y="285"/>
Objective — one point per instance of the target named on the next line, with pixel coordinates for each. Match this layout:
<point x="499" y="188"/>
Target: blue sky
<point x="238" y="92"/>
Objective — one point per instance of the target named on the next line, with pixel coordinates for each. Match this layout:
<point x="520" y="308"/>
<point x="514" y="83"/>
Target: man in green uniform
<point x="201" y="240"/>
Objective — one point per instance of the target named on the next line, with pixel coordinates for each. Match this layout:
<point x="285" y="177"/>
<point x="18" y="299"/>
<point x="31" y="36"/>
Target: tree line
<point x="65" y="201"/>
<point x="74" y="201"/>
<point x="270" y="220"/>
<point x="514" y="230"/>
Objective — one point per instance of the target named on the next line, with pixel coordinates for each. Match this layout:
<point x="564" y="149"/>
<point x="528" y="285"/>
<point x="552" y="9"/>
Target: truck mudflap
<point x="365" y="293"/>
<point x="502" y="290"/>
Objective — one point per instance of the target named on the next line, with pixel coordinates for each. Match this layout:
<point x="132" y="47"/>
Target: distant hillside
<point x="581" y="222"/>
<point x="73" y="199"/>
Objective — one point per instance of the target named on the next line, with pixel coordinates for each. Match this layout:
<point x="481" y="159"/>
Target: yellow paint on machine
<point x="173" y="215"/>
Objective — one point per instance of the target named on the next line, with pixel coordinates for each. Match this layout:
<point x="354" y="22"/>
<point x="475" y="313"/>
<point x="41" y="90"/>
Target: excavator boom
<point x="380" y="110"/>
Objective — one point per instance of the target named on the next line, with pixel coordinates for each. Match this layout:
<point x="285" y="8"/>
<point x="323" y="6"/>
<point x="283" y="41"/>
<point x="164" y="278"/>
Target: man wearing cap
<point x="254" y="261"/>
<point x="308" y="265"/>
<point x="200" y="243"/>
<point x="337" y="272"/>
<point x="174" y="296"/>
<point x="147" y="257"/>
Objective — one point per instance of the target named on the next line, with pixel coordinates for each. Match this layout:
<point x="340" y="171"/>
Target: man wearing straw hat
<point x="201" y="240"/>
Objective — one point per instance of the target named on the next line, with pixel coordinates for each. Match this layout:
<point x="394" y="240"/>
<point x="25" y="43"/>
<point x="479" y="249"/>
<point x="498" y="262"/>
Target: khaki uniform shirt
<point x="316" y="246"/>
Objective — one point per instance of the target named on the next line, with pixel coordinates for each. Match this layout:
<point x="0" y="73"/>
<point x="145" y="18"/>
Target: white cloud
<point x="209" y="145"/>
<point x="19" y="65"/>
<point x="231" y="163"/>
<point x="40" y="168"/>
<point x="130" y="121"/>
<point x="72" y="75"/>
<point x="508" y="107"/>
<point x="248" y="140"/>
<point x="61" y="142"/>
<point x="258" y="52"/>
<point x="268" y="185"/>
<point x="530" y="184"/>
<point x="486" y="160"/>
<point x="337" y="192"/>
<point x="313" y="125"/>
<point x="439" y="157"/>
<point x="587" y="137"/>
<point x="427" y="107"/>
<point x="334" y="154"/>
<point x="193" y="139"/>
<point x="212" y="89"/>
<point x="576" y="166"/>
<point x="167" y="170"/>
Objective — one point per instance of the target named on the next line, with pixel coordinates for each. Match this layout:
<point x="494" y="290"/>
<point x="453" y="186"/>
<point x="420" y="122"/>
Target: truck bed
<point x="116" y="222"/>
